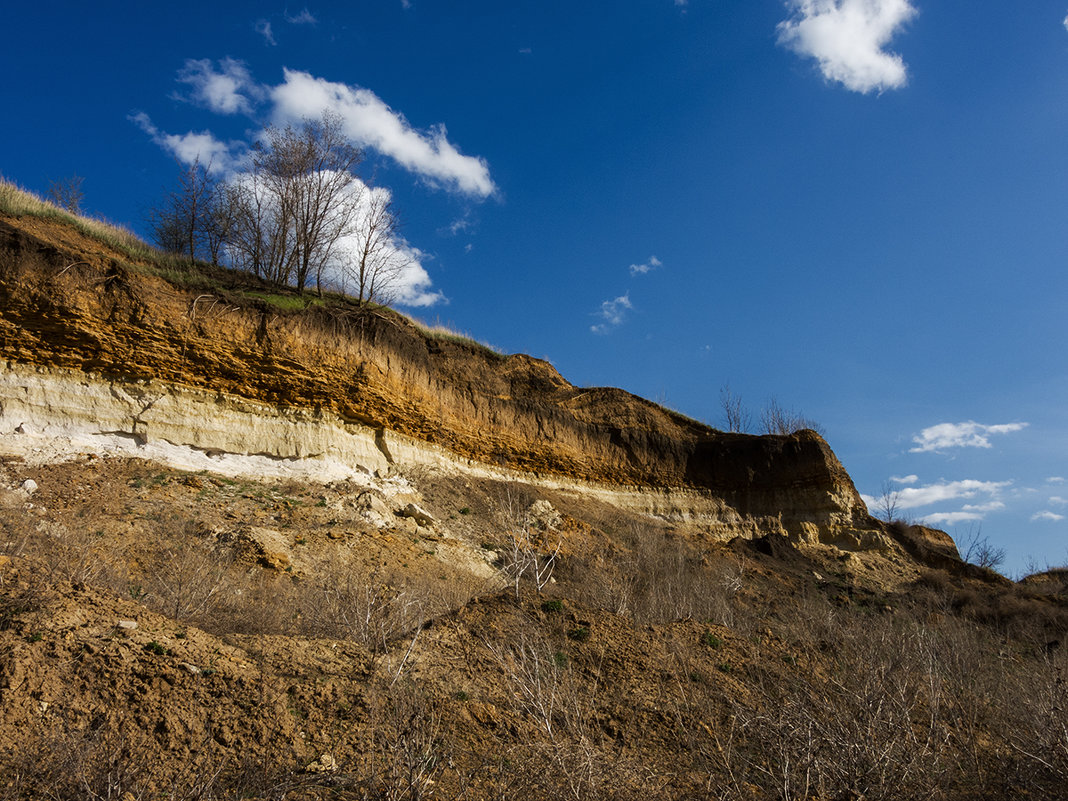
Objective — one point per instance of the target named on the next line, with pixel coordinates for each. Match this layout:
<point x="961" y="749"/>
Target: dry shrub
<point x="342" y="601"/>
<point x="189" y="581"/>
<point x="656" y="580"/>
<point x="408" y="753"/>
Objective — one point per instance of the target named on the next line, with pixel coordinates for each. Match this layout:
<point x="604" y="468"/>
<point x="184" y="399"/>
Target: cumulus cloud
<point x="369" y="122"/>
<point x="647" y="267"/>
<point x="960" y="435"/>
<point x="613" y="312"/>
<point x="849" y="38"/>
<point x="226" y="90"/>
<point x="214" y="155"/>
<point x="910" y="479"/>
<point x="263" y="28"/>
<point x="1052" y="517"/>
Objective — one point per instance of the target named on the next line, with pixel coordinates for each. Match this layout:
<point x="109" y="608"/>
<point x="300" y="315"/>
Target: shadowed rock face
<point x="68" y="302"/>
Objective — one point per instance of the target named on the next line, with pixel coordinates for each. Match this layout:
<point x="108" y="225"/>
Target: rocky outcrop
<point x="203" y="361"/>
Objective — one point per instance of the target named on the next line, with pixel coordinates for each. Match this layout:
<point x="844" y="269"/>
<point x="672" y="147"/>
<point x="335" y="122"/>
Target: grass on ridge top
<point x="20" y="202"/>
<point x="443" y="332"/>
<point x="175" y="269"/>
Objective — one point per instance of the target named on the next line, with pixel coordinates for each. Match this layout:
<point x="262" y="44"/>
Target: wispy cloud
<point x="911" y="479"/>
<point x="970" y="434"/>
<point x="305" y="17"/>
<point x="1057" y="500"/>
<point x="915" y="497"/>
<point x="849" y="38"/>
<point x="613" y="312"/>
<point x="216" y="156"/>
<point x="369" y="122"/>
<point x="984" y="493"/>
<point x="1046" y="515"/>
<point x="990" y="506"/>
<point x="647" y="267"/>
<point x="226" y="90"/>
<point x="263" y="28"/>
<point x="950" y="518"/>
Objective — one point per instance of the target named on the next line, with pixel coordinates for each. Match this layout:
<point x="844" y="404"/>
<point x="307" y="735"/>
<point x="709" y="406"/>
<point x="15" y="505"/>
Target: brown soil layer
<point x="67" y="301"/>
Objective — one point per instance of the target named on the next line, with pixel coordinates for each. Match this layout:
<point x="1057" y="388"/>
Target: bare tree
<point x="888" y="502"/>
<point x="187" y="220"/>
<point x="299" y="201"/>
<point x="736" y="416"/>
<point x="977" y="549"/>
<point x="67" y="193"/>
<point x="378" y="260"/>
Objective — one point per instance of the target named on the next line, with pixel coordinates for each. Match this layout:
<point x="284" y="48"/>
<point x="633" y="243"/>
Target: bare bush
<point x="189" y="580"/>
<point x="736" y="417"/>
<point x="776" y="419"/>
<point x="67" y="193"/>
<point x="531" y="551"/>
<point x="978" y="551"/>
<point x="408" y="746"/>
<point x="343" y="602"/>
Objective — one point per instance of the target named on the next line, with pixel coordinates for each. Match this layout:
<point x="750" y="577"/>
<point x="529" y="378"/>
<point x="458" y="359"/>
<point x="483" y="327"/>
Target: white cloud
<point x="263" y="28"/>
<point x="910" y="479"/>
<point x="1057" y="500"/>
<point x="371" y="123"/>
<point x="613" y="312"/>
<point x="1055" y="480"/>
<point x="305" y="17"/>
<point x="1046" y="515"/>
<point x="950" y="518"/>
<point x="848" y="38"/>
<point x="215" y="156"/>
<point x="647" y="267"/>
<point x="990" y="506"/>
<point x="1066" y="23"/>
<point x="913" y="497"/>
<point x="226" y="91"/>
<point x="960" y="435"/>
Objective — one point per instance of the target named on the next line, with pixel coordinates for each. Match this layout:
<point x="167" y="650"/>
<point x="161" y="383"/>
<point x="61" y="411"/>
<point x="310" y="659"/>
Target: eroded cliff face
<point x="99" y="346"/>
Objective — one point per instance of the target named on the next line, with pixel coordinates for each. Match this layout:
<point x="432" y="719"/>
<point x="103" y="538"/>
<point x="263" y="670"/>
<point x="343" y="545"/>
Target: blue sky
<point x="856" y="207"/>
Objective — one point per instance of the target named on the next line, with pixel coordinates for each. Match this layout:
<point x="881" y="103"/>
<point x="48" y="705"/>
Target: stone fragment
<point x="373" y="509"/>
<point x="269" y="546"/>
<point x="542" y="515"/>
<point x="420" y="516"/>
<point x="127" y="625"/>
<point x="29" y="486"/>
<point x="191" y="668"/>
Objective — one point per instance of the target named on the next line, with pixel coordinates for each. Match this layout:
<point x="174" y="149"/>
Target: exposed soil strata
<point x="69" y="303"/>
